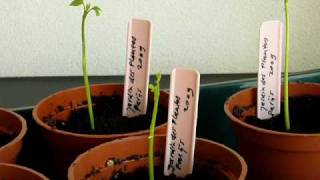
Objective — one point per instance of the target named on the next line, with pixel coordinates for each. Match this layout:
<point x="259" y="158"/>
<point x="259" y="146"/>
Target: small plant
<point x="155" y="88"/>
<point x="286" y="71"/>
<point x="86" y="10"/>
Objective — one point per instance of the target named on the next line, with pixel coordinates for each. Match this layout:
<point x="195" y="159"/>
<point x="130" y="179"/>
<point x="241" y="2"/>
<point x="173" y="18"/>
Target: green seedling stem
<point x="286" y="71"/>
<point x="155" y="88"/>
<point x="86" y="10"/>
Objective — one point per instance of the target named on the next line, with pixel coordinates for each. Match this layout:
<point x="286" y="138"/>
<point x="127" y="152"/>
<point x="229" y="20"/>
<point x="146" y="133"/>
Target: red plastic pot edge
<point x="21" y="134"/>
<point x="261" y="130"/>
<point x="94" y="136"/>
<point x="23" y="168"/>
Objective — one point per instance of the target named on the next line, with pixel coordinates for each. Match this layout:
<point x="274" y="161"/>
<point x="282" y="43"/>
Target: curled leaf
<point x="97" y="10"/>
<point x="76" y="3"/>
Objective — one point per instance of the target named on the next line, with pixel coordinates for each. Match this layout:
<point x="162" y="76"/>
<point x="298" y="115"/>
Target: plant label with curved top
<point x="135" y="96"/>
<point x="182" y="122"/>
<point x="269" y="75"/>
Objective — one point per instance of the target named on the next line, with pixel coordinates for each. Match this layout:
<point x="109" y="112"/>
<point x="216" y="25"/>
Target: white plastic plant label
<point x="135" y="97"/>
<point x="182" y="122"/>
<point x="269" y="75"/>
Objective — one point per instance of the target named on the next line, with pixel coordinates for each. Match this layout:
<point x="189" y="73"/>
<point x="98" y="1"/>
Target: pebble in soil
<point x="304" y="116"/>
<point x="108" y="118"/>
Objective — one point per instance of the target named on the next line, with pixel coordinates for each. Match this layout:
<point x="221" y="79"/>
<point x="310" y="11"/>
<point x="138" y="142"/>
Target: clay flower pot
<point x="271" y="154"/>
<point x="126" y="155"/>
<point x="67" y="145"/>
<point x="11" y="123"/>
<point x="15" y="172"/>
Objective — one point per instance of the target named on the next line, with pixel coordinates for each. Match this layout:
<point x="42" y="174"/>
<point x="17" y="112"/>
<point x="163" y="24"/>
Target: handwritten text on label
<point x="137" y="68"/>
<point x="182" y="119"/>
<point x="269" y="76"/>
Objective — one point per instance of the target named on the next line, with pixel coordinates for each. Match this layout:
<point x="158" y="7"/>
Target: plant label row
<point x="182" y="122"/>
<point x="269" y="74"/>
<point x="135" y="97"/>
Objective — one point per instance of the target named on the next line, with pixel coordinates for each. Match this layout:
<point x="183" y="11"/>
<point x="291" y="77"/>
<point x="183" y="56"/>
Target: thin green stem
<point x="156" y="91"/>
<point x="85" y="71"/>
<point x="84" y="5"/>
<point x="286" y="71"/>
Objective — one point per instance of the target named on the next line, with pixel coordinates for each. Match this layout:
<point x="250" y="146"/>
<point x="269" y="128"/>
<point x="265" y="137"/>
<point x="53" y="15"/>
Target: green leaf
<point x="76" y="3"/>
<point x="151" y="87"/>
<point x="97" y="10"/>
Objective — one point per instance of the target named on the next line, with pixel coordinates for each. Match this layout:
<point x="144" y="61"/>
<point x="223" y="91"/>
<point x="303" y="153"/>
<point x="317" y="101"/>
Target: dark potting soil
<point x="198" y="173"/>
<point x="108" y="118"/>
<point x="6" y="138"/>
<point x="304" y="116"/>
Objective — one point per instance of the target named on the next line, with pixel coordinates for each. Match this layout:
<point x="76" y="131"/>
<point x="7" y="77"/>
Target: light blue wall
<point x="42" y="38"/>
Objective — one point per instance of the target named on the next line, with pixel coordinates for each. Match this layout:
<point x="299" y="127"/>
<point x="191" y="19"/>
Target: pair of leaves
<point x="96" y="9"/>
<point x="156" y="86"/>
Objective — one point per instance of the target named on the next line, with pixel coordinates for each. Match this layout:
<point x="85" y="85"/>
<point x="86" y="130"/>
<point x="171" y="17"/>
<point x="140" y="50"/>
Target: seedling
<point x="155" y="88"/>
<point x="286" y="71"/>
<point x="269" y="86"/>
<point x="87" y="8"/>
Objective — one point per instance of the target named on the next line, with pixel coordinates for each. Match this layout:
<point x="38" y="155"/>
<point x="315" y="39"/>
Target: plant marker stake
<point x="286" y="70"/>
<point x="135" y="95"/>
<point x="269" y="75"/>
<point x="182" y="122"/>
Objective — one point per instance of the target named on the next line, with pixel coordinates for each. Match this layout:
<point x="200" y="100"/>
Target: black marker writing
<point x="265" y="50"/>
<point x="138" y="97"/>
<point x="187" y="103"/>
<point x="175" y="114"/>
<point x="181" y="153"/>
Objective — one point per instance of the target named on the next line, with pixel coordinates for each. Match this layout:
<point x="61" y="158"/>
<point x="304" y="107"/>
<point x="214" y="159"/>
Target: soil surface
<point x="108" y="118"/>
<point x="5" y="138"/>
<point x="304" y="116"/>
<point x="198" y="173"/>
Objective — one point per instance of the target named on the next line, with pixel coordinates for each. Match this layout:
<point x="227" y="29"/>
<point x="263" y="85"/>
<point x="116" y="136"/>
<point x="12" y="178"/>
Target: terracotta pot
<point x="271" y="154"/>
<point x="15" y="172"/>
<point x="132" y="153"/>
<point x="67" y="145"/>
<point x="11" y="123"/>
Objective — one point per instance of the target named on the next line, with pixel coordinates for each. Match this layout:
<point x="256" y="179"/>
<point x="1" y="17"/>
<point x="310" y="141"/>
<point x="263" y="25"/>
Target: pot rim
<point x="262" y="130"/>
<point x="93" y="136"/>
<point x="21" y="133"/>
<point x="24" y="169"/>
<point x="243" y="163"/>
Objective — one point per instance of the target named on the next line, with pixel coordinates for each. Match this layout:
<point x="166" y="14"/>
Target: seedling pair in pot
<point x="178" y="155"/>
<point x="277" y="138"/>
<point x="76" y="119"/>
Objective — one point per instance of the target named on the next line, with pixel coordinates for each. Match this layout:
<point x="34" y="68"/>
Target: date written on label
<point x="135" y="96"/>
<point x="269" y="74"/>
